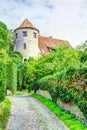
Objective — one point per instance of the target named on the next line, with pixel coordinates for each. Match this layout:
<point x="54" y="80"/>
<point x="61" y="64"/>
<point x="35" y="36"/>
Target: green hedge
<point x="2" y="80"/>
<point x="11" y="80"/>
<point x="3" y="56"/>
<point x="68" y="85"/>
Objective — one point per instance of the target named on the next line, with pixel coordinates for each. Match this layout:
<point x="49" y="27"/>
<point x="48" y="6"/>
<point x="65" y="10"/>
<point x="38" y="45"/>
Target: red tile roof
<point x="26" y="24"/>
<point x="47" y="43"/>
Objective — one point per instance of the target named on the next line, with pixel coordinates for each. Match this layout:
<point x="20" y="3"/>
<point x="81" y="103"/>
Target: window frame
<point x="34" y="35"/>
<point x="24" y="46"/>
<point x="24" y="33"/>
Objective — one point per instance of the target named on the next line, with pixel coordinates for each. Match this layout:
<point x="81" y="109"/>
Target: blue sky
<point x="62" y="19"/>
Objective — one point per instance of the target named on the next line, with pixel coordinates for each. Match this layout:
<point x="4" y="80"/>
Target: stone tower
<point x="27" y="40"/>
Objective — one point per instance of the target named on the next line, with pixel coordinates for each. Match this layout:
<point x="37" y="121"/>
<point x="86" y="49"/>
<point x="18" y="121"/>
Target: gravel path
<point x="28" y="113"/>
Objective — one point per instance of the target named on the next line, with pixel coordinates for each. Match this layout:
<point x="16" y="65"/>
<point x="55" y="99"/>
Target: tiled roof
<point x="26" y="24"/>
<point x="46" y="44"/>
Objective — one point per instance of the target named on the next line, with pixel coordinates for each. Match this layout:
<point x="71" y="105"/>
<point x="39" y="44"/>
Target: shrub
<point x="11" y="76"/>
<point x="2" y="76"/>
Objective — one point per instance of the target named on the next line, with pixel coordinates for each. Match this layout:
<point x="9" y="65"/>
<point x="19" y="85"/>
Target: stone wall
<point x="44" y="93"/>
<point x="71" y="107"/>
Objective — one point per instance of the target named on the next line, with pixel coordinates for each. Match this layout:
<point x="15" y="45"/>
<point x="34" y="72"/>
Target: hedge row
<point x="69" y="86"/>
<point x="8" y="78"/>
<point x="11" y="76"/>
<point x="2" y="80"/>
<point x="8" y="64"/>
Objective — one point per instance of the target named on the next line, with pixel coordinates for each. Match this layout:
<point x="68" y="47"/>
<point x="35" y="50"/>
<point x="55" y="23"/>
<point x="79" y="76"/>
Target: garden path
<point x="27" y="113"/>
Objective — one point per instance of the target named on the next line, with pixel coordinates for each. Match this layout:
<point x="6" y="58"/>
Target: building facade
<point x="30" y="44"/>
<point x="27" y="40"/>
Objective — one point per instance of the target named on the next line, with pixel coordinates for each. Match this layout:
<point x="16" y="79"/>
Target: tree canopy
<point x="3" y="36"/>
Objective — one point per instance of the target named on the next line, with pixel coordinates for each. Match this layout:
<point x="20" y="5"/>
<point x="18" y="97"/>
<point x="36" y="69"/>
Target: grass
<point x="67" y="118"/>
<point x="21" y="92"/>
<point x="4" y="112"/>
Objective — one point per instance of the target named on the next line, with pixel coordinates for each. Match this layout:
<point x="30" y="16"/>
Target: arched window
<point x="24" y="45"/>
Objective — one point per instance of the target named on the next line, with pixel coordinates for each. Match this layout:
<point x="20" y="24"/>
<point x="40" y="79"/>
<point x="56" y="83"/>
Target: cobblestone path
<point x="27" y="113"/>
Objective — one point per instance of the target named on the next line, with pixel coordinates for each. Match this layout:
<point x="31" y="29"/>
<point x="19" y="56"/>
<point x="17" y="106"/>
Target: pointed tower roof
<point x="26" y="24"/>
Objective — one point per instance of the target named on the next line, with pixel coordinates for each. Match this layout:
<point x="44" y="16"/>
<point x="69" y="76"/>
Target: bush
<point x="11" y="76"/>
<point x="5" y="113"/>
<point x="2" y="78"/>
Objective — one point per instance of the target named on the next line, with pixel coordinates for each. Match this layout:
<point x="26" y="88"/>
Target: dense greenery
<point x="3" y="36"/>
<point x="9" y="63"/>
<point x="26" y="75"/>
<point x="66" y="117"/>
<point x="82" y="46"/>
<point x="2" y="75"/>
<point x="11" y="79"/>
<point x="63" y="73"/>
<point x="4" y="112"/>
<point x="12" y="39"/>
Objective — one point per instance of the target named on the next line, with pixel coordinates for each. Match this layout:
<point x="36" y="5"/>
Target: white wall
<point x="32" y="49"/>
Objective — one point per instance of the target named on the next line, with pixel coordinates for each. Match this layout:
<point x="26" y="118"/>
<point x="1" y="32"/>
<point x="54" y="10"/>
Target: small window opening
<point x="16" y="35"/>
<point x="24" y="33"/>
<point x="34" y="35"/>
<point x="24" y="45"/>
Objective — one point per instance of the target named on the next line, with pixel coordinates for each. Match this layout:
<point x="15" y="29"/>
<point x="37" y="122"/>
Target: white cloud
<point x="63" y="19"/>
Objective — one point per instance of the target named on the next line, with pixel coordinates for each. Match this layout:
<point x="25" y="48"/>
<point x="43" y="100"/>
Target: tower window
<point x="16" y="35"/>
<point x="24" y="33"/>
<point x="34" y="35"/>
<point x="24" y="45"/>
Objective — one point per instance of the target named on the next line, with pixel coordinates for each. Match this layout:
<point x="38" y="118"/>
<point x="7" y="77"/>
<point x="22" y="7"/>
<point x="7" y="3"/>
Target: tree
<point x="82" y="46"/>
<point x="3" y="57"/>
<point x="12" y="39"/>
<point x="16" y="57"/>
<point x="3" y="36"/>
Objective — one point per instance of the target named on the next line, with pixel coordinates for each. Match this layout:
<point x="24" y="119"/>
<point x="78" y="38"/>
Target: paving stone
<point x="27" y="113"/>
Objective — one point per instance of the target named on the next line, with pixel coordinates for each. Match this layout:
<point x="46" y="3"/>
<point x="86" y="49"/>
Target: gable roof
<point x="26" y="24"/>
<point x="46" y="44"/>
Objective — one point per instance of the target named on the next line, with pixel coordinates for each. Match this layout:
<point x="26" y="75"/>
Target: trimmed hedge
<point x="2" y="80"/>
<point x="11" y="76"/>
<point x="3" y="57"/>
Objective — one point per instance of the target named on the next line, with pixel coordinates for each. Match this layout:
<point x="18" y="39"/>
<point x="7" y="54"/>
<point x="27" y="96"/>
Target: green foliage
<point x="2" y="81"/>
<point x="82" y="46"/>
<point x="8" y="64"/>
<point x="22" y="92"/>
<point x="6" y="111"/>
<point x="16" y="57"/>
<point x="26" y="75"/>
<point x="3" y="36"/>
<point x="63" y="74"/>
<point x="83" y="56"/>
<point x="2" y="75"/>
<point x="13" y="66"/>
<point x="11" y="75"/>
<point x="12" y="39"/>
<point x="67" y="118"/>
<point x="3" y="56"/>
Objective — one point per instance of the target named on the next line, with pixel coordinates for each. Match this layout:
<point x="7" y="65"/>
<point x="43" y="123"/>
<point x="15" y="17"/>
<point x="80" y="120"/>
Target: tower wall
<point x="31" y="42"/>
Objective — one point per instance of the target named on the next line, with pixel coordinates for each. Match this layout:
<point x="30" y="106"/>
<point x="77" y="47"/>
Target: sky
<point x="61" y="19"/>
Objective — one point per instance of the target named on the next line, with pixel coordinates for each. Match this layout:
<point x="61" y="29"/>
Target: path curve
<point x="27" y="113"/>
